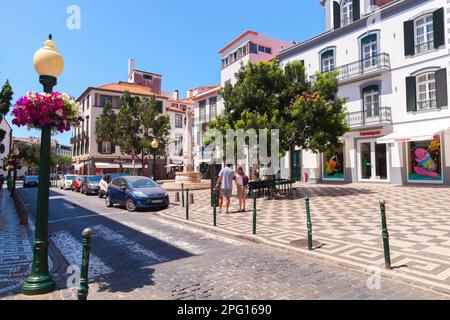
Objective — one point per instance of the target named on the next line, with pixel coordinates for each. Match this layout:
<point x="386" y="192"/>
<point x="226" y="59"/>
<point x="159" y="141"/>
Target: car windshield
<point x="143" y="183"/>
<point x="32" y="178"/>
<point x="117" y="175"/>
<point x="95" y="179"/>
<point x="69" y="177"/>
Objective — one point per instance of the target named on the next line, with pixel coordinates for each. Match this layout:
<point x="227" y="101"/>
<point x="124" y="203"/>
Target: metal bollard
<point x="182" y="194"/>
<point x="214" y="200"/>
<point x="385" y="235"/>
<point x="187" y="204"/>
<point x="191" y="198"/>
<point x="83" y="289"/>
<point x="254" y="212"/>
<point x="177" y="196"/>
<point x="309" y="224"/>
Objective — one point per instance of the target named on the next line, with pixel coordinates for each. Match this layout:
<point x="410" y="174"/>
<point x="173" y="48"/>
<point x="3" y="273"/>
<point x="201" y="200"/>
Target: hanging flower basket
<point x="36" y="110"/>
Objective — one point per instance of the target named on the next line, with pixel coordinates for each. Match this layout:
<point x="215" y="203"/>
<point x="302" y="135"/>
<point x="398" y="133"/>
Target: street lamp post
<point x="15" y="155"/>
<point x="155" y="146"/>
<point x="49" y="64"/>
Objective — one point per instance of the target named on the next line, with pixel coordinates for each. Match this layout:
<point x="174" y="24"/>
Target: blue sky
<point x="176" y="38"/>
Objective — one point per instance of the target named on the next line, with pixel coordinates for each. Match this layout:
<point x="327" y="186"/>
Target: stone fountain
<point x="189" y="178"/>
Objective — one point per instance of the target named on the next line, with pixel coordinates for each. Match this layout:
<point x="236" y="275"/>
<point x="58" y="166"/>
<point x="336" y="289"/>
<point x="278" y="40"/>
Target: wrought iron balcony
<point x="371" y="117"/>
<point x="367" y="67"/>
<point x="362" y="69"/>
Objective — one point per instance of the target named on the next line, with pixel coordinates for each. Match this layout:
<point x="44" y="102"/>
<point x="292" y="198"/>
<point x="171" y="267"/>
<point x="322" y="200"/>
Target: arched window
<point x="327" y="60"/>
<point x="346" y="12"/>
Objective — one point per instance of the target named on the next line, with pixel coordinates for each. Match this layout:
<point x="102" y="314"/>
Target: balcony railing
<point x="376" y="116"/>
<point x="365" y="66"/>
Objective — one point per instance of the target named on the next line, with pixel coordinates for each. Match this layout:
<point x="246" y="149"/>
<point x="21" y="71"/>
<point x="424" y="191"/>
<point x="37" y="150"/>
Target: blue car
<point x="136" y="193"/>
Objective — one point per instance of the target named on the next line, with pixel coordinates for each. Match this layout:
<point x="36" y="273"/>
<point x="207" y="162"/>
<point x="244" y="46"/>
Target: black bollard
<point x="182" y="194"/>
<point x="309" y="224"/>
<point x="187" y="204"/>
<point x="385" y="235"/>
<point x="214" y="200"/>
<point x="254" y="212"/>
<point x="177" y="196"/>
<point x="191" y="198"/>
<point x="83" y="288"/>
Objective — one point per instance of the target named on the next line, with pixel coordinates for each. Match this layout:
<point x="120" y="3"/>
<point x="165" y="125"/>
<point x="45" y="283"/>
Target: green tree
<point x="136" y="125"/>
<point x="267" y="97"/>
<point x="6" y="95"/>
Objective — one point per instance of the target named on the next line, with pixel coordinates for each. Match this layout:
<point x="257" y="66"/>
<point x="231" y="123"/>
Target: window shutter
<point x="408" y="29"/>
<point x="337" y="15"/>
<point x="438" y="28"/>
<point x="411" y="99"/>
<point x="356" y="10"/>
<point x="441" y="88"/>
<point x="113" y="148"/>
<point x="99" y="145"/>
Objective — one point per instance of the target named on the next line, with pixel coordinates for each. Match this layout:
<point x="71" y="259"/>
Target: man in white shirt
<point x="225" y="181"/>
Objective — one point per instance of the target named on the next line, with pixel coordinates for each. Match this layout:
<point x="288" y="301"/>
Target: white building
<point x="6" y="144"/>
<point x="393" y="58"/>
<point x="63" y="150"/>
<point x="90" y="157"/>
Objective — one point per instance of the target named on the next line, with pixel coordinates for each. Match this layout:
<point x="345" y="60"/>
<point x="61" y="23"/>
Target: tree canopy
<point x="307" y="113"/>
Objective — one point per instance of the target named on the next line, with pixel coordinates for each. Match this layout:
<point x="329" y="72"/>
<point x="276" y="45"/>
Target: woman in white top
<point x="241" y="180"/>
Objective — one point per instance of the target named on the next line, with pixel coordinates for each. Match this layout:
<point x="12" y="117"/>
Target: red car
<point x="76" y="183"/>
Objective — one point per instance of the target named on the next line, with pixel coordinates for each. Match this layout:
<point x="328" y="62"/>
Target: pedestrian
<point x="241" y="184"/>
<point x="2" y="181"/>
<point x="225" y="182"/>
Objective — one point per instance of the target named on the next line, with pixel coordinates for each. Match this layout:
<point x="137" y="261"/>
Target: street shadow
<point x="312" y="192"/>
<point x="122" y="259"/>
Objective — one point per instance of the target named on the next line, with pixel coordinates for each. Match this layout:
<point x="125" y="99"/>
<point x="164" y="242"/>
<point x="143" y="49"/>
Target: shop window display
<point x="425" y="160"/>
<point x="333" y="163"/>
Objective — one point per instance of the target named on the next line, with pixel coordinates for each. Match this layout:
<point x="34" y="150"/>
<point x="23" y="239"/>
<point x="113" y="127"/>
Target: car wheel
<point x="131" y="207"/>
<point x="108" y="202"/>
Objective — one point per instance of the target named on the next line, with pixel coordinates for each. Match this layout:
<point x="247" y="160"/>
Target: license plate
<point x="158" y="201"/>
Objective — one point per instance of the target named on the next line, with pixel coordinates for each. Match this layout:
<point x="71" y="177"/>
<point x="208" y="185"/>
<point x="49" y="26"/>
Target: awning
<point x="415" y="132"/>
<point x="103" y="165"/>
<point x="174" y="166"/>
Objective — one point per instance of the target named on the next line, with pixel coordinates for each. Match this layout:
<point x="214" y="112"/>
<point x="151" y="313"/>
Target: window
<point x="346" y="12"/>
<point x="253" y="48"/>
<point x="159" y="106"/>
<point x="371" y="102"/>
<point x="423" y="33"/>
<point x="202" y="105"/>
<point x="104" y="100"/>
<point x="178" y="146"/>
<point x="178" y="121"/>
<point x="261" y="48"/>
<point x="106" y="147"/>
<point x="369" y="47"/>
<point x="426" y="91"/>
<point x="425" y="160"/>
<point x="268" y="50"/>
<point x="213" y="108"/>
<point x="328" y="62"/>
<point x="88" y="102"/>
<point x="148" y="77"/>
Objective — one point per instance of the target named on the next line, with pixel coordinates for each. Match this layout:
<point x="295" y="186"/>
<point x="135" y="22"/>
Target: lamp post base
<point x="37" y="285"/>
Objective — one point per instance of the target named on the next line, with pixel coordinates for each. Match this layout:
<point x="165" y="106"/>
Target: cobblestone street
<point x="141" y="256"/>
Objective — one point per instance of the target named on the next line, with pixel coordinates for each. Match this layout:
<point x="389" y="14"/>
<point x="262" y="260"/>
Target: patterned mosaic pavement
<point x="346" y="221"/>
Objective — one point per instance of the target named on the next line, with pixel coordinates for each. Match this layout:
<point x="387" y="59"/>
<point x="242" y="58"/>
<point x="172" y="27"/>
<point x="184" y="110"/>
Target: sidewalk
<point x="15" y="248"/>
<point x="346" y="221"/>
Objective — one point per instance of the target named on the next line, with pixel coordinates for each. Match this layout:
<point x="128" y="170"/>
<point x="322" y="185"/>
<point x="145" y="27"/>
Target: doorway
<point x="296" y="171"/>
<point x="373" y="161"/>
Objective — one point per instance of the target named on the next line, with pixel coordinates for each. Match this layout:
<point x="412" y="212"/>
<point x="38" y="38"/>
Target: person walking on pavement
<point x="225" y="182"/>
<point x="241" y="184"/>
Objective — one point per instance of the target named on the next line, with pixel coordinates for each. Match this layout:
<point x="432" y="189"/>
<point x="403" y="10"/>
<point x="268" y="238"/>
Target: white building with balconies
<point x="393" y="62"/>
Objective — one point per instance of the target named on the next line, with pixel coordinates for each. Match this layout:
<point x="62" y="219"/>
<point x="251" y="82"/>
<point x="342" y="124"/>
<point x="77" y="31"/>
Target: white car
<point x="66" y="182"/>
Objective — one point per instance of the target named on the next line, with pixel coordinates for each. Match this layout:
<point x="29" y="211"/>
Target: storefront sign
<point x="120" y="161"/>
<point x="370" y="133"/>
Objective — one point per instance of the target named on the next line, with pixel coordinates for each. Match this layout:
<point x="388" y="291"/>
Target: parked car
<point x="66" y="181"/>
<point x="30" y="181"/>
<point x="106" y="180"/>
<point x="91" y="185"/>
<point x="76" y="183"/>
<point x="136" y="193"/>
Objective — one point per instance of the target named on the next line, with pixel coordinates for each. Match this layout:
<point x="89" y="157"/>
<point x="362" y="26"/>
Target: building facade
<point x="250" y="46"/>
<point x="393" y="63"/>
<point x="92" y="158"/>
<point x="63" y="150"/>
<point x="6" y="144"/>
